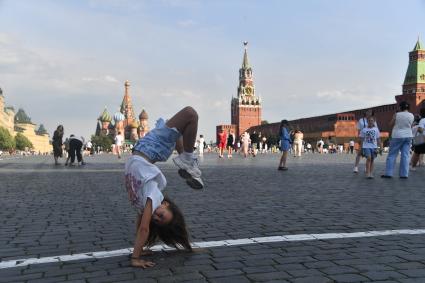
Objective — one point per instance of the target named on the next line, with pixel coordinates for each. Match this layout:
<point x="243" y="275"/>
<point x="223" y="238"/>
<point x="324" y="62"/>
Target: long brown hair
<point x="173" y="234"/>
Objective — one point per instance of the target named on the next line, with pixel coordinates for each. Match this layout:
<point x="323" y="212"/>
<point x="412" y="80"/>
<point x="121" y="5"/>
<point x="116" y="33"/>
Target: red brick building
<point x="246" y="107"/>
<point x="341" y="127"/>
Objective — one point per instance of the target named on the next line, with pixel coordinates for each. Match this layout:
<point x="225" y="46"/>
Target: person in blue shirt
<point x="285" y="143"/>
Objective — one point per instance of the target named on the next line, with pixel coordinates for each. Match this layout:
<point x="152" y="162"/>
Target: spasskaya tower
<point x="246" y="107"/>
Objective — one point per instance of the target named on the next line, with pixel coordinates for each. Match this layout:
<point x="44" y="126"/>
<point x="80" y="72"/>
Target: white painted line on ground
<point x="211" y="244"/>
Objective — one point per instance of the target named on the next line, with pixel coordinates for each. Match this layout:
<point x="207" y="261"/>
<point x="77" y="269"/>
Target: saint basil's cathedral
<point x="123" y="121"/>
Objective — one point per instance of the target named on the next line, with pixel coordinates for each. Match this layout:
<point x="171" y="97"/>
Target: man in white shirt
<point x="118" y="143"/>
<point x="201" y="145"/>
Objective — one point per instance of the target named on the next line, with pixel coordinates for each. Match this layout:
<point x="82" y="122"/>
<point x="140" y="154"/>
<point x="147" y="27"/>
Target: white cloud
<point x="107" y="78"/>
<point x="185" y="93"/>
<point x="186" y="23"/>
<point x="111" y="79"/>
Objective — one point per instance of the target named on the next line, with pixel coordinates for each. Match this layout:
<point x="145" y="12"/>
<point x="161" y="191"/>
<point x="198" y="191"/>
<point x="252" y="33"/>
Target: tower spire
<point x="418" y="45"/>
<point x="245" y="62"/>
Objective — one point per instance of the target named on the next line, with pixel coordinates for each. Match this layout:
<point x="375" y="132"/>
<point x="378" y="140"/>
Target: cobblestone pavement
<point x="49" y="211"/>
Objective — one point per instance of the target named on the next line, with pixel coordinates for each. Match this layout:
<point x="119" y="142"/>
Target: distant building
<point x="21" y="123"/>
<point x="124" y="120"/>
<point x="246" y="107"/>
<point x="341" y="127"/>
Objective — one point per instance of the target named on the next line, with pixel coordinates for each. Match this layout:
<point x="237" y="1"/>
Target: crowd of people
<point x="407" y="138"/>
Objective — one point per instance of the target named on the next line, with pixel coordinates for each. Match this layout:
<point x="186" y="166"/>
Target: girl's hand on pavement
<point x="141" y="263"/>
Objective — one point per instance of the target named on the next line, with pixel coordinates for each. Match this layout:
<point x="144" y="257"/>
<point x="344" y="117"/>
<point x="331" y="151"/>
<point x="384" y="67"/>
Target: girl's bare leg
<point x="368" y="161"/>
<point x="186" y="122"/>
<point x="179" y="145"/>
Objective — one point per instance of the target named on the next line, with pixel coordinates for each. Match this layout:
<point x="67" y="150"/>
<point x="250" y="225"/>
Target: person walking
<point x="401" y="139"/>
<point x="320" y="145"/>
<point x="254" y="143"/>
<point x="298" y="142"/>
<point x="370" y="140"/>
<point x="362" y="123"/>
<point x="118" y="144"/>
<point x="419" y="140"/>
<point x="57" y="143"/>
<point x="285" y="144"/>
<point x="245" y="139"/>
<point x="201" y="145"/>
<point x="230" y="144"/>
<point x="222" y="140"/>
<point x="351" y="146"/>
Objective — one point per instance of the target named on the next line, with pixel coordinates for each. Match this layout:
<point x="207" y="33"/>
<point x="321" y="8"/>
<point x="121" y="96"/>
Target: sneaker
<point x="189" y="171"/>
<point x="356" y="169"/>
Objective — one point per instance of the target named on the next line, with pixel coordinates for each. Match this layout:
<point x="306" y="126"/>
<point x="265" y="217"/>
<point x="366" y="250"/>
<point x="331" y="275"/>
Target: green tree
<point x="103" y="141"/>
<point x="22" y="142"/>
<point x="7" y="142"/>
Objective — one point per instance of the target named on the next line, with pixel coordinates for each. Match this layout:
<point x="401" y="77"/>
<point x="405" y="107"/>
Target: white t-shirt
<point x="144" y="180"/>
<point x="118" y="140"/>
<point x="201" y="143"/>
<point x="352" y="143"/>
<point x="370" y="137"/>
<point x="403" y="125"/>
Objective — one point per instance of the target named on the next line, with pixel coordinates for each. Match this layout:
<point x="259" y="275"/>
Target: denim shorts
<point x="369" y="152"/>
<point x="159" y="143"/>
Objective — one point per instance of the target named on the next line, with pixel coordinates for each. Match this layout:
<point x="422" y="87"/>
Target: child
<point x="370" y="139"/>
<point x="285" y="144"/>
<point x="159" y="217"/>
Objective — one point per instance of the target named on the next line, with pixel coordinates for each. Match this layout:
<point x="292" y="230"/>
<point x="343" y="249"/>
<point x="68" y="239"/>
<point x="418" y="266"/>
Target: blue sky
<point x="64" y="61"/>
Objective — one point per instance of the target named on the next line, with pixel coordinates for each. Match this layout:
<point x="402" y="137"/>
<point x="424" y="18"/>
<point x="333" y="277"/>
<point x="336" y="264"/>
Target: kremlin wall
<point x="20" y="123"/>
<point x="338" y="128"/>
<point x="341" y="127"/>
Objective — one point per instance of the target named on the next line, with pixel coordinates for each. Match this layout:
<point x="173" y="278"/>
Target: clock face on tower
<point x="248" y="90"/>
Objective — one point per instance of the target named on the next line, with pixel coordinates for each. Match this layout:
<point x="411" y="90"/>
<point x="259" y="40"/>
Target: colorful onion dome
<point x="105" y="117"/>
<point x="143" y="115"/>
<point x="118" y="117"/>
<point x="134" y="124"/>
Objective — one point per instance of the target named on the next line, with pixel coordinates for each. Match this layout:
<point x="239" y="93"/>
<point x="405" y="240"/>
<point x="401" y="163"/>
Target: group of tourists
<point x="73" y="147"/>
<point x="407" y="136"/>
<point x="247" y="144"/>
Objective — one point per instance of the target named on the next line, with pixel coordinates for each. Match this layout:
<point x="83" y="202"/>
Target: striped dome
<point x="118" y="117"/>
<point x="105" y="117"/>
